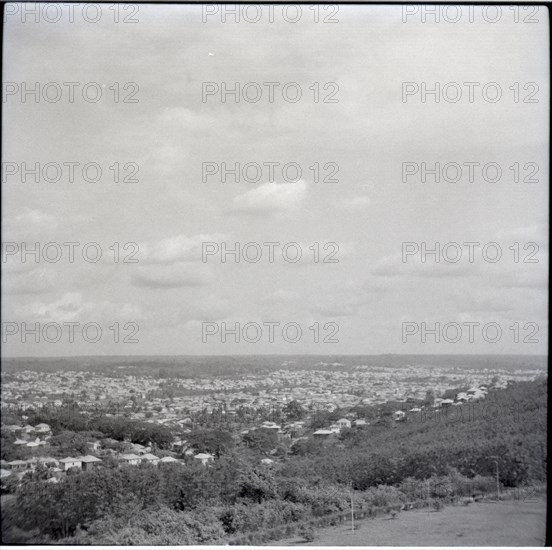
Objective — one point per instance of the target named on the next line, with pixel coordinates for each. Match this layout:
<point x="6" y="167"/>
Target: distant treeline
<point x="234" y="365"/>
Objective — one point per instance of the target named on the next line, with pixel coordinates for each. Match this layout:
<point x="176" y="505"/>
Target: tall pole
<point x="495" y="458"/>
<point x="352" y="509"/>
<point x="497" y="482"/>
<point x="428" y="497"/>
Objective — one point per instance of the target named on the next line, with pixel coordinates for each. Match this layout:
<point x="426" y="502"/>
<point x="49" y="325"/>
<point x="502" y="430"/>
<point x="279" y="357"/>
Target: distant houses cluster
<point x="39" y="435"/>
<point x="140" y="455"/>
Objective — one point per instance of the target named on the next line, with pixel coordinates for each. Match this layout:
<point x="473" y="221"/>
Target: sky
<point x="174" y="300"/>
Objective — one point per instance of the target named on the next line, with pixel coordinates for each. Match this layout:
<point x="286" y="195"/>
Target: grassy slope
<point x="507" y="523"/>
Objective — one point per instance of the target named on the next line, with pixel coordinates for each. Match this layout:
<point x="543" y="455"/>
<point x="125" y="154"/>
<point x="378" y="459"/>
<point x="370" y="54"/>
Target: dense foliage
<point x="389" y="465"/>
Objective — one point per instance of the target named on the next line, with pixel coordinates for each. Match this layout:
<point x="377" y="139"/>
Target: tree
<point x="69" y="444"/>
<point x="217" y="442"/>
<point x="261" y="440"/>
<point x="257" y="485"/>
<point x="429" y="398"/>
<point x="294" y="410"/>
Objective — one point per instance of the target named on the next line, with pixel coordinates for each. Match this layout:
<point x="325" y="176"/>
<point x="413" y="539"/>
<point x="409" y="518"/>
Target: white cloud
<point x="357" y="203"/>
<point x="172" y="276"/>
<point x="71" y="307"/>
<point x="179" y="248"/>
<point x="271" y="198"/>
<point x="34" y="281"/>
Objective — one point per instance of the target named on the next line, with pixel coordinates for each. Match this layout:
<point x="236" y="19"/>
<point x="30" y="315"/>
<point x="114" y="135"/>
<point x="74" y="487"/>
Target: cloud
<point x="356" y="203"/>
<point x="341" y="307"/>
<point x="270" y="198"/>
<point x="71" y="307"/>
<point x="282" y="296"/>
<point x="394" y="266"/>
<point x="34" y="281"/>
<point x="35" y="217"/>
<point x="29" y="225"/>
<point x="207" y="308"/>
<point x="179" y="248"/>
<point x="172" y="276"/>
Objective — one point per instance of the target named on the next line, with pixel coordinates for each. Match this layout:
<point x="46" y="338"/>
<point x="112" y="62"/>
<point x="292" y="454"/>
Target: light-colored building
<point x="343" y="423"/>
<point x="204" y="458"/>
<point x="70" y="462"/>
<point x="130" y="458"/>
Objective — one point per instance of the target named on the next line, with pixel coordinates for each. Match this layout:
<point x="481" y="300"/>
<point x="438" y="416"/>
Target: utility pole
<point x="352" y="509"/>
<point x="428" y="498"/>
<point x="497" y="483"/>
<point x="495" y="458"/>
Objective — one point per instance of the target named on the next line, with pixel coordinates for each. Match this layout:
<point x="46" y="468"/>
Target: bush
<point x="307" y="533"/>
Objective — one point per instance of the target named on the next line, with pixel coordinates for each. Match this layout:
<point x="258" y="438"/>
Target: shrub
<point x="307" y="533"/>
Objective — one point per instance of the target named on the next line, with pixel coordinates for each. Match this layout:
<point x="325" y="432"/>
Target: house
<point x="270" y="426"/>
<point x="89" y="462"/>
<point x="267" y="461"/>
<point x="69" y="462"/>
<point x="445" y="403"/>
<point x="148" y="457"/>
<point x="360" y="422"/>
<point x="42" y="428"/>
<point x="322" y="434"/>
<point x="343" y="423"/>
<point x="130" y="458"/>
<point x="399" y="416"/>
<point x="17" y="465"/>
<point x="177" y="443"/>
<point x="94" y="445"/>
<point x="20" y="442"/>
<point x="204" y="458"/>
<point x="167" y="459"/>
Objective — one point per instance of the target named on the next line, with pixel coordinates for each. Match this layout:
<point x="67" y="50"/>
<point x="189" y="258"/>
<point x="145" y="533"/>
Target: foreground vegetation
<point x="385" y="467"/>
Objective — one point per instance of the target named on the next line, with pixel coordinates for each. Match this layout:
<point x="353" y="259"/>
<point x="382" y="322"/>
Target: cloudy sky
<point x="369" y="212"/>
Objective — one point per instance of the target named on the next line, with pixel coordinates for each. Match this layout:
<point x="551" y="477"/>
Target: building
<point x="130" y="458"/>
<point x="17" y="465"/>
<point x="42" y="429"/>
<point x="94" y="445"/>
<point x="399" y="416"/>
<point x="343" y="423"/>
<point x="89" y="462"/>
<point x="70" y="462"/>
<point x="167" y="459"/>
<point x="205" y="458"/>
